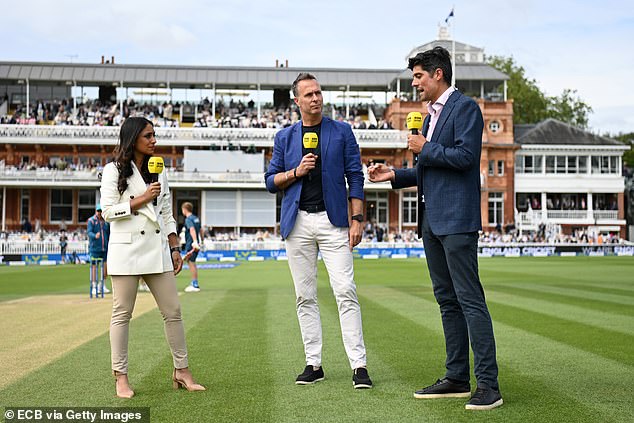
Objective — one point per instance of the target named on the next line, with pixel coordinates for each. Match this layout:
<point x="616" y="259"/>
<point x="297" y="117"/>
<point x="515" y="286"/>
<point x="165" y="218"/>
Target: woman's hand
<point x="153" y="190"/>
<point x="177" y="261"/>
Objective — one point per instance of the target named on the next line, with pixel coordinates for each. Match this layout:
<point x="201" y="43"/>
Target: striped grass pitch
<point x="564" y="329"/>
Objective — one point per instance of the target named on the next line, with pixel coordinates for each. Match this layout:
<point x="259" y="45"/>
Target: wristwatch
<point x="357" y="217"/>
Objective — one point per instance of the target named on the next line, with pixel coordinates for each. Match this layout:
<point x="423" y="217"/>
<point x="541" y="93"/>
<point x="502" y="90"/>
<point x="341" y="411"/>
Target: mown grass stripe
<point x="52" y="326"/>
<point x="599" y="319"/>
<point x="566" y="371"/>
<point x="82" y="376"/>
<point x="577" y="293"/>
<point x="598" y="287"/>
<point x="585" y="303"/>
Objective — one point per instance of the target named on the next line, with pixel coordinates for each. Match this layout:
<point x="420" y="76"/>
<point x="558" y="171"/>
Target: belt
<point x="313" y="208"/>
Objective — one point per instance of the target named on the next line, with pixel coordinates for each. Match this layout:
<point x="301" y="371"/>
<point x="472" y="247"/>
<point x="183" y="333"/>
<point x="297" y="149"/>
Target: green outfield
<point x="564" y="329"/>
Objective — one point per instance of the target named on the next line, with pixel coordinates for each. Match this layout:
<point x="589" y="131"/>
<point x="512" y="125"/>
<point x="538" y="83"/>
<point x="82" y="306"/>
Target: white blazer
<point x="138" y="240"/>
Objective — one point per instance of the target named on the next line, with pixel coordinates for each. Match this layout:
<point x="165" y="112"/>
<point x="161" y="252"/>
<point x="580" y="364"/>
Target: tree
<point x="531" y="105"/>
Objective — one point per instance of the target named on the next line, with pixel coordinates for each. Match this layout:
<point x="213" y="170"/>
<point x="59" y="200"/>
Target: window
<point x="410" y="208"/>
<point x="376" y="207"/>
<point x="86" y="207"/>
<point x="500" y="167"/>
<point x="583" y="164"/>
<point x="524" y="201"/>
<point x="571" y="164"/>
<point x="560" y="163"/>
<point x="606" y="165"/>
<point x="550" y="164"/>
<point x="519" y="164"/>
<point x="496" y="208"/>
<point x="61" y="205"/>
<point x="24" y="204"/>
<point x="491" y="167"/>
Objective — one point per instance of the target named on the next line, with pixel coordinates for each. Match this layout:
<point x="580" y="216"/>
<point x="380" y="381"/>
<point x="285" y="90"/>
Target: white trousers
<point x="314" y="233"/>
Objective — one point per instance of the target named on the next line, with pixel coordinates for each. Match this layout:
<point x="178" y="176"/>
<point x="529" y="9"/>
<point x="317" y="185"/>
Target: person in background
<point x="193" y="239"/>
<point x="98" y="231"/>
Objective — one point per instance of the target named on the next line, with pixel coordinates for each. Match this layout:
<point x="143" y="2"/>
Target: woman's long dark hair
<point x="124" y="152"/>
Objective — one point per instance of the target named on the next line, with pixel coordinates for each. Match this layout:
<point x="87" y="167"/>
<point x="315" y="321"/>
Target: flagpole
<point x="453" y="52"/>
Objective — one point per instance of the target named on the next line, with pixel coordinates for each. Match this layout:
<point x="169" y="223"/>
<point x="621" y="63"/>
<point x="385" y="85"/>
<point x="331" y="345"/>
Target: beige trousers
<point x="163" y="288"/>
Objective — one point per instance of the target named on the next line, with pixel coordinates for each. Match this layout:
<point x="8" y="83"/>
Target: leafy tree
<point x="531" y="105"/>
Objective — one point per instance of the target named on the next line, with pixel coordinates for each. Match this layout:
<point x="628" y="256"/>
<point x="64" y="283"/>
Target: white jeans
<point x="314" y="233"/>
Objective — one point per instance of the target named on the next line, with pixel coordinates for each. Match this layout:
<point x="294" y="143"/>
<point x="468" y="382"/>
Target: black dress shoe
<point x="445" y="388"/>
<point x="310" y="376"/>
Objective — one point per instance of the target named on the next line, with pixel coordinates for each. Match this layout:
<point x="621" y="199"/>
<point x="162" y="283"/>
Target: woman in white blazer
<point x="143" y="242"/>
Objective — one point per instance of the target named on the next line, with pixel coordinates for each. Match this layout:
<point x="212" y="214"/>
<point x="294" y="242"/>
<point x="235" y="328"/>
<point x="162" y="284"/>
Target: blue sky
<point x="581" y="45"/>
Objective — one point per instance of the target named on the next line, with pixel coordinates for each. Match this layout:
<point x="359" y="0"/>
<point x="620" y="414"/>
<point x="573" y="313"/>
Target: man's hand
<point x="195" y="246"/>
<point x="309" y="161"/>
<point x="97" y="235"/>
<point x="354" y="233"/>
<point x="380" y="173"/>
<point x="415" y="143"/>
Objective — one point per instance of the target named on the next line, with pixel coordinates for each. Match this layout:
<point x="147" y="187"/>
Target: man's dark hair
<point x="430" y="60"/>
<point x="303" y="76"/>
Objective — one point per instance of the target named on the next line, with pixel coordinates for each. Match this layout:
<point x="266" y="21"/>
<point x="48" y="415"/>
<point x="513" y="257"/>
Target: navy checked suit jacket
<point x="448" y="169"/>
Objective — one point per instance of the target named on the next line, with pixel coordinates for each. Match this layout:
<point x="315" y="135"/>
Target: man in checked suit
<point x="447" y="176"/>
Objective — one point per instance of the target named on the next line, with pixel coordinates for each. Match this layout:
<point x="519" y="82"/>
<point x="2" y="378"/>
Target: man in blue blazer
<point x="447" y="175"/>
<point x="312" y="160"/>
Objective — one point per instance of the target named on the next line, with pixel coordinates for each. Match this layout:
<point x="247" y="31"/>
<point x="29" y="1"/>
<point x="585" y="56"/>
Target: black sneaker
<point x="485" y="398"/>
<point x="361" y="379"/>
<point x="310" y="376"/>
<point x="445" y="388"/>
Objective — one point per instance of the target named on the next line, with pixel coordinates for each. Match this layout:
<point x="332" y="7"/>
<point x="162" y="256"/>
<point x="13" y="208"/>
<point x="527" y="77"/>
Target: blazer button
<point x="136" y="213"/>
<point x="142" y="232"/>
<point x="132" y="196"/>
<point x="158" y="231"/>
<point x="160" y="212"/>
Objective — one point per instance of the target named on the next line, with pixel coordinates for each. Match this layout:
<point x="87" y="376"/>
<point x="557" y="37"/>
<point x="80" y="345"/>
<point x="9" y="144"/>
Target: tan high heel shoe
<point x="128" y="393"/>
<point x="178" y="383"/>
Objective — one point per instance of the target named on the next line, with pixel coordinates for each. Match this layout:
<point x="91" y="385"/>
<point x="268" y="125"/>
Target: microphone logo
<point x="414" y="122"/>
<point x="311" y="140"/>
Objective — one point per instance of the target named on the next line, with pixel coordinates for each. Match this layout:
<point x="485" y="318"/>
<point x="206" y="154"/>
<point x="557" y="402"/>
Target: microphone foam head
<point x="414" y="120"/>
<point x="155" y="164"/>
<point x="311" y="140"/>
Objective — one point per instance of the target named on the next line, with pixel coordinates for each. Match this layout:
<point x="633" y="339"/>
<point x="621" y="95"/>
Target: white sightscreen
<point x="222" y="161"/>
<point x="252" y="209"/>
<point x="258" y="209"/>
<point x="221" y="208"/>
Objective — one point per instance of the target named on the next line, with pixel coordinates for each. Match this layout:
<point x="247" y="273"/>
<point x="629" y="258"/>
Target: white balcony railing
<point x="567" y="214"/>
<point x="195" y="136"/>
<point x="535" y="217"/>
<point x="606" y="214"/>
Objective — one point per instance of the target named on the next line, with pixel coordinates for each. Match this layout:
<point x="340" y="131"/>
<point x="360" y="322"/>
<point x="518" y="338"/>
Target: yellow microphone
<point x="311" y="141"/>
<point x="155" y="166"/>
<point x="414" y="123"/>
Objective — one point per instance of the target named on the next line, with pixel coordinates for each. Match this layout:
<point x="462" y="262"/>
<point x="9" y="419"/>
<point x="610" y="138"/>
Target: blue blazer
<point x="448" y="169"/>
<point x="340" y="162"/>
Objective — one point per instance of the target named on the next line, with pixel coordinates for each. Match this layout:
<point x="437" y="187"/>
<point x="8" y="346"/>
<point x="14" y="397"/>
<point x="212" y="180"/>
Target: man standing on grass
<point x="98" y="231"/>
<point x="312" y="161"/>
<point x="192" y="243"/>
<point x="447" y="175"/>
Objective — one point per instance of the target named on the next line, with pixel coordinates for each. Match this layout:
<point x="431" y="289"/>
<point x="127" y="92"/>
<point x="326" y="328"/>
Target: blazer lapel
<point x="444" y="114"/>
<point x="325" y="138"/>
<point x="296" y="145"/>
